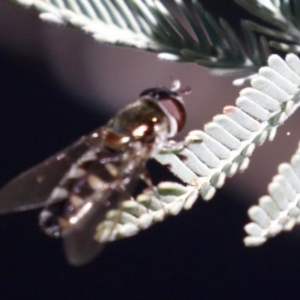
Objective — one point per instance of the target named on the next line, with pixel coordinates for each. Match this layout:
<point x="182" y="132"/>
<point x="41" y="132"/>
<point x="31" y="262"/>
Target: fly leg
<point x="117" y="216"/>
<point x="146" y="178"/>
<point x="177" y="147"/>
<point x="172" y="147"/>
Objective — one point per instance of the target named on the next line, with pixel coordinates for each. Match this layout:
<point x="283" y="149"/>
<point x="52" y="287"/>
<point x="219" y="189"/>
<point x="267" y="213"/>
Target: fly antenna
<point x="176" y="84"/>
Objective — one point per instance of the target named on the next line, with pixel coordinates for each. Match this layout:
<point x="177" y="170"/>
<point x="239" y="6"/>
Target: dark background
<point x="197" y="255"/>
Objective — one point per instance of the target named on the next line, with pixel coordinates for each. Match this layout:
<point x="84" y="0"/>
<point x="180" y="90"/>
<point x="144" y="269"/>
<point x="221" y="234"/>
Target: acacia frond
<point x="280" y="210"/>
<point x="222" y="149"/>
<point x="149" y="25"/>
<point x="284" y="15"/>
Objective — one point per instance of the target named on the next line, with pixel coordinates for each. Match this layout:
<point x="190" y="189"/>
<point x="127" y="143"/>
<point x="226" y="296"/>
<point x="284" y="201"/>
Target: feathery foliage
<point x="150" y="25"/>
<point x="279" y="211"/>
<point x="222" y="149"/>
<point x="283" y="15"/>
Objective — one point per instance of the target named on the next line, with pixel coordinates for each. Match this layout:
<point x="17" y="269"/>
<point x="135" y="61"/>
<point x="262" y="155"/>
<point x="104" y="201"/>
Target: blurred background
<point x="57" y="84"/>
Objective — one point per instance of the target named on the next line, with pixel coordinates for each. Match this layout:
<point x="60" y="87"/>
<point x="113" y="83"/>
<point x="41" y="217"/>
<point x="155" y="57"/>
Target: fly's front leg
<point x="172" y="147"/>
<point x="177" y="147"/>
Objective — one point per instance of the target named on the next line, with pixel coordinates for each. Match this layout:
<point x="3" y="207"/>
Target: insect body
<point x="80" y="184"/>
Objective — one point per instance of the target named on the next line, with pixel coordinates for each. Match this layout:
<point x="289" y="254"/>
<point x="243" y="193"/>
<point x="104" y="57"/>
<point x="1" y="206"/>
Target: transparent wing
<point x="79" y="241"/>
<point x="31" y="189"/>
<point x="79" y="238"/>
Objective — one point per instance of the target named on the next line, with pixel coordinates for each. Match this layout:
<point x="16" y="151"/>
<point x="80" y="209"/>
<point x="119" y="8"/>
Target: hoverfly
<point x="80" y="184"/>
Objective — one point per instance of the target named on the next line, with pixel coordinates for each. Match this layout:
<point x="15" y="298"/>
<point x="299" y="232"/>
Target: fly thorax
<point x="137" y="120"/>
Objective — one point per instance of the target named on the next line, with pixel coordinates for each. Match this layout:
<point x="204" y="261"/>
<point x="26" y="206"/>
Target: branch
<point x="284" y="15"/>
<point x="222" y="149"/>
<point x="279" y="211"/>
<point x="149" y="25"/>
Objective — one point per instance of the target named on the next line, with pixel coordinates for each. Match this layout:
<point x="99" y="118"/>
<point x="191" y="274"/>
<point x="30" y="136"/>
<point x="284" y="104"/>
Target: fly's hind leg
<point x="115" y="216"/>
<point x="146" y="178"/>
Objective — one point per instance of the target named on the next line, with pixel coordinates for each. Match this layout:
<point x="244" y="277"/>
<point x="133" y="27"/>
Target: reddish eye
<point x="171" y="102"/>
<point x="176" y="110"/>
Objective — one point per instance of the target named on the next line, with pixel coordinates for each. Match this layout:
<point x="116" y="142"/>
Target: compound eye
<point x="176" y="109"/>
<point x="171" y="103"/>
